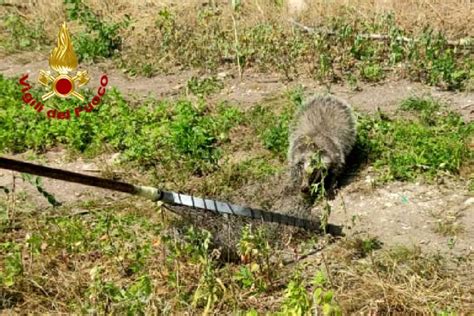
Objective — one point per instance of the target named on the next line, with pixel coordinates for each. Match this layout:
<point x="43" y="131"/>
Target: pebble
<point x="115" y="158"/>
<point x="222" y="75"/>
<point x="89" y="166"/>
<point x="469" y="201"/>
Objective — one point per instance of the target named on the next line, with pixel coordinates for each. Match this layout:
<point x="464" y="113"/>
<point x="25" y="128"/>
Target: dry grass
<point x="92" y="272"/>
<point x="454" y="17"/>
<point x="112" y="247"/>
<point x="397" y="280"/>
<point x="151" y="37"/>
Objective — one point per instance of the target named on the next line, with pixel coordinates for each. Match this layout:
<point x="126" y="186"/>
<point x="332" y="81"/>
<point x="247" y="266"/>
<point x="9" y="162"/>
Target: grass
<point x="129" y="256"/>
<point x="433" y="143"/>
<point x="100" y="38"/>
<point x="412" y="272"/>
<point x="205" y="86"/>
<point x="265" y="46"/>
<point x="206" y="38"/>
<point x="190" y="136"/>
<point x="156" y="127"/>
<point x="447" y="223"/>
<point x="123" y="258"/>
<point x="182" y="137"/>
<point x="21" y="35"/>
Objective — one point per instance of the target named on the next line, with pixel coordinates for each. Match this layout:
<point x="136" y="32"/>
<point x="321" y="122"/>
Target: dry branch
<point x="465" y="42"/>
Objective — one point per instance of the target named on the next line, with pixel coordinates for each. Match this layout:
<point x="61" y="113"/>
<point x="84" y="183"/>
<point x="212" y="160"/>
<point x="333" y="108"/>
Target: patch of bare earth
<point x="434" y="217"/>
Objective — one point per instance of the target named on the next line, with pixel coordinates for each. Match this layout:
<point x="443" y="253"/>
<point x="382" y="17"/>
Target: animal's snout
<point x="309" y="177"/>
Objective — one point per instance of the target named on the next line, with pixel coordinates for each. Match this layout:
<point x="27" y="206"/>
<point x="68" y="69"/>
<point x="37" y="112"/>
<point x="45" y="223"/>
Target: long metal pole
<point x="155" y="194"/>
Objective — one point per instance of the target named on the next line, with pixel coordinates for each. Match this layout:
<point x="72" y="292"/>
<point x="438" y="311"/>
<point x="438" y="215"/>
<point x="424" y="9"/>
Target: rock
<point x="222" y="75"/>
<point x="114" y="159"/>
<point x="469" y="201"/>
<point x="296" y="7"/>
<point x="89" y="167"/>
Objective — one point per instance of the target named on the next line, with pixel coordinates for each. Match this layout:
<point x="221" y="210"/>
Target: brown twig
<point x="467" y="41"/>
<point x="237" y="47"/>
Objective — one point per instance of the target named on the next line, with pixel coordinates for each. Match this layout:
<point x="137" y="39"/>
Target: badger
<point x="321" y="136"/>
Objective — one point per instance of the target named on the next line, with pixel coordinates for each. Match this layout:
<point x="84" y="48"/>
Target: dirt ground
<point x="396" y="213"/>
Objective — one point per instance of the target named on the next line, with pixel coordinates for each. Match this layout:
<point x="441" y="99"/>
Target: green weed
<point x="431" y="144"/>
<point x="247" y="278"/>
<point x="427" y="105"/>
<point x="297" y="301"/>
<point x="372" y="72"/>
<point x="100" y="39"/>
<point x="205" y="86"/>
<point x="362" y="247"/>
<point x="12" y="265"/>
<point x="254" y="249"/>
<point x="37" y="183"/>
<point x="323" y="298"/>
<point x="195" y="248"/>
<point x="131" y="299"/>
<point x="433" y="59"/>
<point x="21" y="34"/>
<point x="318" y="191"/>
<point x="273" y="128"/>
<point x="182" y="133"/>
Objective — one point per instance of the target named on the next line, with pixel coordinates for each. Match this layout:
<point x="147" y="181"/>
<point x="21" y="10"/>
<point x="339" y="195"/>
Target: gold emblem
<point x="63" y="60"/>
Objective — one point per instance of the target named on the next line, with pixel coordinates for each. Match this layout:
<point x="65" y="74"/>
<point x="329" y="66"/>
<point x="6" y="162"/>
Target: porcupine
<point x="324" y="125"/>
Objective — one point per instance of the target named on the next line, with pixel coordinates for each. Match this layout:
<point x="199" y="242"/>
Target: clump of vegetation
<point x="255" y="251"/>
<point x="100" y="38"/>
<point x="205" y="86"/>
<point x="435" y="62"/>
<point x="432" y="143"/>
<point x="447" y="223"/>
<point x="272" y="120"/>
<point x="275" y="137"/>
<point x="182" y="132"/>
<point x="372" y="72"/>
<point x="299" y="301"/>
<point x="362" y="247"/>
<point x="12" y="263"/>
<point x="323" y="296"/>
<point x="21" y="34"/>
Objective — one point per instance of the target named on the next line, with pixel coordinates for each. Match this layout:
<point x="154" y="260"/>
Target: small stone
<point x="115" y="158"/>
<point x="89" y="166"/>
<point x="368" y="179"/>
<point x="222" y="75"/>
<point x="469" y="201"/>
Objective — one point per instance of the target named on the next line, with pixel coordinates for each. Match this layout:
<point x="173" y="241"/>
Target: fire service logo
<point x="64" y="81"/>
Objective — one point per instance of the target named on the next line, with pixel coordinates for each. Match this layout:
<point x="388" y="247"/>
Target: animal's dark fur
<point x="326" y="125"/>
